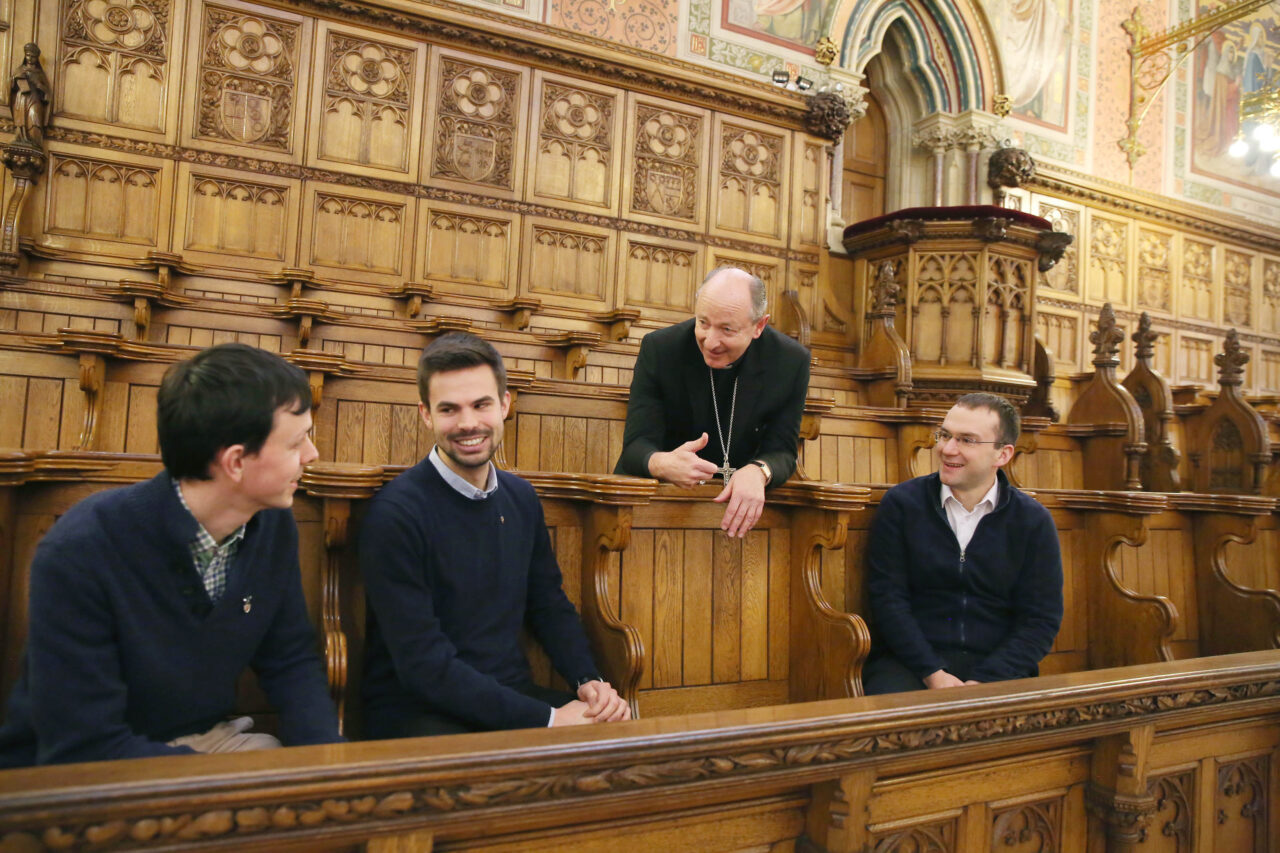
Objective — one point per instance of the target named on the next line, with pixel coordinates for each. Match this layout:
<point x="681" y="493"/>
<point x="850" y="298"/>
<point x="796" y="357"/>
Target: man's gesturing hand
<point x="604" y="704"/>
<point x="683" y="466"/>
<point x="745" y="494"/>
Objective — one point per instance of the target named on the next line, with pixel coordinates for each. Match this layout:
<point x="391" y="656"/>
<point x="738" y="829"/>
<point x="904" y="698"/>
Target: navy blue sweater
<point x="125" y="650"/>
<point x="1001" y="598"/>
<point x="450" y="582"/>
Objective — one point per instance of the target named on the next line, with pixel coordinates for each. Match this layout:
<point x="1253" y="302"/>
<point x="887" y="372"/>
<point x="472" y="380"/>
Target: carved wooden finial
<point x="884" y="292"/>
<point x="1106" y="337"/>
<point x="1144" y="339"/>
<point x="1231" y="360"/>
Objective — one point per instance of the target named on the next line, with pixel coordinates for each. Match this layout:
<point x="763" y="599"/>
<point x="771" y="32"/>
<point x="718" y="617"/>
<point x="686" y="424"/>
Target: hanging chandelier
<point x="1259" y="127"/>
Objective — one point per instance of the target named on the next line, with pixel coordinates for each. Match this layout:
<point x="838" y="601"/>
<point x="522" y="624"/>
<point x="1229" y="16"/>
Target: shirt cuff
<point x="551" y="722"/>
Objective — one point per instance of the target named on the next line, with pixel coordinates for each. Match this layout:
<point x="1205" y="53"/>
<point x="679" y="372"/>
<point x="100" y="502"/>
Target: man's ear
<point x="425" y="412"/>
<point x="1005" y="455"/>
<point x="759" y="327"/>
<point x="230" y="461"/>
<point x="506" y="404"/>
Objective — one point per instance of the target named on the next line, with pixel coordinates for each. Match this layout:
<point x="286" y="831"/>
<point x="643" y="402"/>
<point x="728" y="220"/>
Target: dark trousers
<point x="883" y="673"/>
<point x="382" y="722"/>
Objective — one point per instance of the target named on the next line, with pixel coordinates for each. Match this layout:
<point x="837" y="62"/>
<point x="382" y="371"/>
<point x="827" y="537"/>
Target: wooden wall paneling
<point x="1195" y="358"/>
<point x="658" y="275"/>
<point x="575" y="145"/>
<point x="37" y="396"/>
<point x="1064" y="279"/>
<point x="1238" y="309"/>
<point x="225" y="219"/>
<point x="215" y="322"/>
<point x="120" y="75"/>
<point x="1269" y="298"/>
<point x="665" y="172"/>
<point x="811" y="173"/>
<point x="367" y="102"/>
<point x="801" y="301"/>
<point x="554" y="432"/>
<point x="106" y="203"/>
<point x="47" y="312"/>
<point x="1109" y="257"/>
<point x="370" y="422"/>
<point x="1239" y="604"/>
<point x="567" y="263"/>
<point x="1197" y="299"/>
<point x="359" y="235"/>
<point x="1056" y="463"/>
<point x="750" y="182"/>
<point x="619" y="646"/>
<point x="1070" y="651"/>
<point x="475" y="124"/>
<point x="771" y="270"/>
<point x="247" y="74"/>
<point x="468" y="251"/>
<point x="1164" y="566"/>
<point x="1156" y="257"/>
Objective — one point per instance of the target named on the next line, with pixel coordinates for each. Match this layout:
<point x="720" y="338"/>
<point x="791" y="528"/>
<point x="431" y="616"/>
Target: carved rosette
<point x="476" y="125"/>
<point x="1231" y="360"/>
<point x="828" y="115"/>
<point x="666" y="162"/>
<point x="1106" y="338"/>
<point x="247" y="79"/>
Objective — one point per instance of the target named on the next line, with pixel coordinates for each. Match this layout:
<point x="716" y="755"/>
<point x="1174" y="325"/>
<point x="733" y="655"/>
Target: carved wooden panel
<point x="574" y="156"/>
<point x="1237" y="293"/>
<point x="1173" y="827"/>
<point x="196" y="336"/>
<point x="234" y="221"/>
<point x="1197" y="279"/>
<point x="1241" y="800"/>
<point x="1008" y="292"/>
<point x="1164" y="565"/>
<point x="659" y="275"/>
<point x="1060" y="332"/>
<point x="859" y="459"/>
<point x="1070" y="647"/>
<point x="750" y="189"/>
<point x="1257" y="565"/>
<point x="1270" y="320"/>
<point x="1155" y="270"/>
<point x="249" y="67"/>
<point x="1028" y="827"/>
<point x="43" y="411"/>
<point x="1195" y="359"/>
<point x="476" y="113"/>
<point x="1108" y="260"/>
<point x="812" y="171"/>
<point x="548" y="442"/>
<point x="1269" y="371"/>
<point x="91" y="199"/>
<point x="362" y="237"/>
<point x="368" y="107"/>
<point x="113" y="62"/>
<point x="664" y="177"/>
<point x="1065" y="275"/>
<point x="944" y="329"/>
<point x="568" y="263"/>
<point x="465" y="250"/>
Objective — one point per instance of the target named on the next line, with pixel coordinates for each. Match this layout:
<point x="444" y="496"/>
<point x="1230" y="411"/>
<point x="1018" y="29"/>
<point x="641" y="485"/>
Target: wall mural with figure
<point x="1034" y="40"/>
<point x="1234" y="61"/>
<point x="797" y="24"/>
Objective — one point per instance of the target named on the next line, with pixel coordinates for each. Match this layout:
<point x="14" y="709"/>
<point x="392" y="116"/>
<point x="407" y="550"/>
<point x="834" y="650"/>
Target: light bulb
<point x="1239" y="147"/>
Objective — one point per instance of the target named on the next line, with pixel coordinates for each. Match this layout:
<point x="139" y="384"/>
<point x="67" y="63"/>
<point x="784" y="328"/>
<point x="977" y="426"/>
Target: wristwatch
<point x="764" y="466"/>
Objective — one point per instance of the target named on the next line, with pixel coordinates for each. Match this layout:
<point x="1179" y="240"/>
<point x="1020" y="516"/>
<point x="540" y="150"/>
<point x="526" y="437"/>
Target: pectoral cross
<point x="726" y="471"/>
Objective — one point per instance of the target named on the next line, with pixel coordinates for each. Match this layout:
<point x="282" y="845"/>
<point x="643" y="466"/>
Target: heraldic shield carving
<point x="247" y="78"/>
<point x="474" y="156"/>
<point x="666" y="162"/>
<point x="475" y="137"/>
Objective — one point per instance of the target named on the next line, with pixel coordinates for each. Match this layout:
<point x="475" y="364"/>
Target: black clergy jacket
<point x="671" y="402"/>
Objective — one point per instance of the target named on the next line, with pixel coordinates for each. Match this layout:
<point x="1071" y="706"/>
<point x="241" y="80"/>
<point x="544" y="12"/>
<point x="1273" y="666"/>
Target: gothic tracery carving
<point x="247" y="79"/>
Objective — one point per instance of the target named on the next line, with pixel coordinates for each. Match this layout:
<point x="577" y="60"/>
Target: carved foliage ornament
<point x="666" y="162"/>
<point x="828" y="115"/>
<point x="1010" y="167"/>
<point x="1144" y="338"/>
<point x="1231" y="360"/>
<point x="247" y="80"/>
<point x="1107" y="336"/>
<point x="475" y="133"/>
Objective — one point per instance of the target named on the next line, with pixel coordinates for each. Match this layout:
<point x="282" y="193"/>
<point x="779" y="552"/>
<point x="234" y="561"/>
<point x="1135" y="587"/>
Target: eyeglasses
<point x="941" y="436"/>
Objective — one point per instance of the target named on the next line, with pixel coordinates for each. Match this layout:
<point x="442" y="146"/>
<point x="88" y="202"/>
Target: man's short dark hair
<point x="224" y="395"/>
<point x="1010" y="422"/>
<point x="458" y="351"/>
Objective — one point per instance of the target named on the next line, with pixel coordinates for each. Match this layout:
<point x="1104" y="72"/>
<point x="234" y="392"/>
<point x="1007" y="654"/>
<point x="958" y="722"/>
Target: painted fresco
<point x="646" y="24"/>
<point x="1237" y="59"/>
<point x="797" y="24"/>
<point x="1034" y="39"/>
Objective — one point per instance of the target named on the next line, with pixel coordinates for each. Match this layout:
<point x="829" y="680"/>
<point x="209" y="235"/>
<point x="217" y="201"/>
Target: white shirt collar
<point x="989" y="498"/>
<point x="460" y="485"/>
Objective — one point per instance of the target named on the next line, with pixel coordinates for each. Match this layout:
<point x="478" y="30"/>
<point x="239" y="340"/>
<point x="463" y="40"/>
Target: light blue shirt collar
<point x="460" y="485"/>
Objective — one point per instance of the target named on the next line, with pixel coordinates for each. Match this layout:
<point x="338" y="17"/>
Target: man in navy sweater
<point x="963" y="570"/>
<point x="147" y="602"/>
<point x="456" y="559"/>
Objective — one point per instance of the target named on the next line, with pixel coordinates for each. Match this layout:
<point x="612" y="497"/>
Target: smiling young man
<point x="719" y="395"/>
<point x="964" y="573"/>
<point x="147" y="602"/>
<point x="456" y="560"/>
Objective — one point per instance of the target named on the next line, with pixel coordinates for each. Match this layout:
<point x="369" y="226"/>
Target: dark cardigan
<point x="1001" y="598"/>
<point x="125" y="650"/>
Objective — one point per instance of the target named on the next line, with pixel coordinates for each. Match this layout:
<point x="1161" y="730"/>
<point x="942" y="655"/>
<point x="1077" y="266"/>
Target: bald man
<point x="718" y="398"/>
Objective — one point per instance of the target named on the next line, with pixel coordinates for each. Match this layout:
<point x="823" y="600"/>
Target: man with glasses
<point x="964" y="573"/>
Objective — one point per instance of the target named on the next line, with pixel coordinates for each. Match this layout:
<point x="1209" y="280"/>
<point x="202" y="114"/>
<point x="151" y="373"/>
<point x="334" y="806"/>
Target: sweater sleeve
<point x="780" y="438"/>
<point x="646" y="423"/>
<point x="550" y="615"/>
<point x="394" y="555"/>
<point x="288" y="666"/>
<point x="1038" y="609"/>
<point x="889" y="590"/>
<point x="78" y="696"/>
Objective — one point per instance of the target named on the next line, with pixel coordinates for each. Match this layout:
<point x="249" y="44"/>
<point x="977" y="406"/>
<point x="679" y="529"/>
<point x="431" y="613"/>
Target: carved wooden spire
<point x="1231" y="360"/>
<point x="884" y="293"/>
<point x="1106" y="338"/>
<point x="1144" y="339"/>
